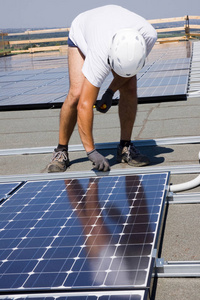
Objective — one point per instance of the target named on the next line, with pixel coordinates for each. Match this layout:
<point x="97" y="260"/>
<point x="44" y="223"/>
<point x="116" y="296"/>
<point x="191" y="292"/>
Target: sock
<point x="124" y="143"/>
<point x="61" y="147"/>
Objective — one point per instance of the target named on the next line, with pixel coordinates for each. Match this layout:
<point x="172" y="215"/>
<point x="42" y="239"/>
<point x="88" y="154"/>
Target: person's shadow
<point x="152" y="152"/>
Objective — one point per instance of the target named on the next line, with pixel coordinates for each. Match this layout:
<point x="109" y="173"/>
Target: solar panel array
<point x="41" y="80"/>
<point x="87" y="234"/>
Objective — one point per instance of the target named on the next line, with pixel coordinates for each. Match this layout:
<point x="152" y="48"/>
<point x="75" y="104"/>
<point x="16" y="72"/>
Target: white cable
<point x="186" y="185"/>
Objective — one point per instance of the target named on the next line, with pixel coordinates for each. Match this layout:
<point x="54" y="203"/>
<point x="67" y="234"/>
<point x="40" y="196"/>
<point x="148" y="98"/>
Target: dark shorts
<point x="70" y="43"/>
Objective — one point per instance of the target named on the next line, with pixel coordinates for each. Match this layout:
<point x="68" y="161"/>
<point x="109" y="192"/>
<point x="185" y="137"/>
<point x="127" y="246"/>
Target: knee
<point x="72" y="98"/>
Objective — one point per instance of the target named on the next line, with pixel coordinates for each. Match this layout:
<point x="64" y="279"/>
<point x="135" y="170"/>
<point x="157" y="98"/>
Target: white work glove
<point x="99" y="161"/>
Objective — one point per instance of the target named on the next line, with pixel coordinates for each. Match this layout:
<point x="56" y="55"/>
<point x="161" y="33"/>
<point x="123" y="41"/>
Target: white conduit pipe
<point x="186" y="185"/>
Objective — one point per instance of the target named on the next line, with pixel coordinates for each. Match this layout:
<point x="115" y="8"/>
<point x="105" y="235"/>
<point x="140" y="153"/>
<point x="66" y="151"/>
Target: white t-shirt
<point x="92" y="32"/>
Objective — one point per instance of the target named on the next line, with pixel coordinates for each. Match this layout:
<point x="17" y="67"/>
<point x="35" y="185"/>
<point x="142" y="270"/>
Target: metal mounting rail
<point x="99" y="146"/>
<point x="184" y="198"/>
<point x="187" y="169"/>
<point x="177" y="268"/>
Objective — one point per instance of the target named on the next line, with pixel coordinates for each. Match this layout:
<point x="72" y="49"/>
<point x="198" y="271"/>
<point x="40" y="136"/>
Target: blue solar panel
<point x="7" y="188"/>
<point x="90" y="233"/>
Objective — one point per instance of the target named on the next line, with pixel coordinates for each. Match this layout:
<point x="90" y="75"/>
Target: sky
<point x="60" y="13"/>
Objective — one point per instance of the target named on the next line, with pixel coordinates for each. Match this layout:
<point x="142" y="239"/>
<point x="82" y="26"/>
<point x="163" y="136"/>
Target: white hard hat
<point x="127" y="52"/>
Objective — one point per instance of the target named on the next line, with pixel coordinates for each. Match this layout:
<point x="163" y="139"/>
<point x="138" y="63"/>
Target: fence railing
<point x="181" y="29"/>
<point x="26" y="42"/>
<point x="177" y="33"/>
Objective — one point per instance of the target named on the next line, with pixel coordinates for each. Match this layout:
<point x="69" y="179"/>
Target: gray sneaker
<point x="131" y="156"/>
<point x="59" y="162"/>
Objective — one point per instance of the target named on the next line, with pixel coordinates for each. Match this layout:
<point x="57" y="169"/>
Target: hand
<point x="105" y="103"/>
<point x="99" y="161"/>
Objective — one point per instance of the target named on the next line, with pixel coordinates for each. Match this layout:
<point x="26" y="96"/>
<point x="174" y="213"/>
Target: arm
<point x="117" y="82"/>
<point x="85" y="125"/>
<point x="85" y="114"/>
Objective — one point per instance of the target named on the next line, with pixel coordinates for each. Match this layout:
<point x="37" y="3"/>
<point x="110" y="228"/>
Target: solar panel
<point x="163" y="81"/>
<point x="180" y="72"/>
<point x="26" y="100"/>
<point x="132" y="295"/>
<point x="166" y="65"/>
<point x="29" y="72"/>
<point x="5" y="73"/>
<point x="7" y="92"/>
<point x="39" y="83"/>
<point x="172" y="66"/>
<point x="29" y="83"/>
<point x="48" y="89"/>
<point x="57" y="70"/>
<point x="47" y="76"/>
<point x="6" y="189"/>
<point x="82" y="234"/>
<point x="12" y="78"/>
<point x="172" y="90"/>
<point x="59" y="100"/>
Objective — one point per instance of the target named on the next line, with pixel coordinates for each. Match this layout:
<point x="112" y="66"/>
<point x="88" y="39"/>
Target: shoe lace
<point x="59" y="155"/>
<point x="132" y="151"/>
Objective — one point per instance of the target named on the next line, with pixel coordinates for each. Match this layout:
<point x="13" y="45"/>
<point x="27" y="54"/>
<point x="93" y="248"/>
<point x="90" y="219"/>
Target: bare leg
<point x="127" y="113"/>
<point x="68" y="114"/>
<point x="128" y="108"/>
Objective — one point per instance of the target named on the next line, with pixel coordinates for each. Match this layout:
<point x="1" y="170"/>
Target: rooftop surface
<point x="169" y="135"/>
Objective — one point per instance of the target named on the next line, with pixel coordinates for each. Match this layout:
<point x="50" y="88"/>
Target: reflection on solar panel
<point x="133" y="295"/>
<point x="82" y="234"/>
<point x="6" y="189"/>
<point x="42" y="82"/>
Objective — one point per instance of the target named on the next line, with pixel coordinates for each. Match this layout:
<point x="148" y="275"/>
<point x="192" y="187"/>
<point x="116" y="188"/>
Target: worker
<point x="104" y="39"/>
